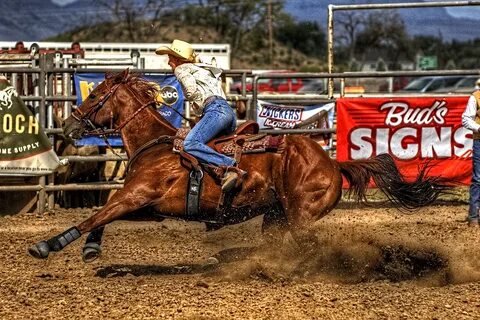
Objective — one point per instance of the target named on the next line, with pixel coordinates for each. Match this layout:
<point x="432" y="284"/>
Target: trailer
<point x="217" y="54"/>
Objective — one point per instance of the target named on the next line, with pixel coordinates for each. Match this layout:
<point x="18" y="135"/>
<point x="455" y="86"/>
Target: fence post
<point x="42" y="119"/>
<point x="52" y="87"/>
<point x="330" y="50"/>
<point x="252" y="113"/>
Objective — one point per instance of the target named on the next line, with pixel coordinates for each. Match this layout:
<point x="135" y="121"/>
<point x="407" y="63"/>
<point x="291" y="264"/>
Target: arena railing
<point x="48" y="72"/>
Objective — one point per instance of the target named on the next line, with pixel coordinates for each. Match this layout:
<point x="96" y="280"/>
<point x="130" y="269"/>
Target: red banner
<point x="412" y="130"/>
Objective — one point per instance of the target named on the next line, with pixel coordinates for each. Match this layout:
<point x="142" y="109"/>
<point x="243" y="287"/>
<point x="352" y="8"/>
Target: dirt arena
<point x="373" y="263"/>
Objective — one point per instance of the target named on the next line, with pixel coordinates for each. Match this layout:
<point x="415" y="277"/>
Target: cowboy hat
<point x="180" y="49"/>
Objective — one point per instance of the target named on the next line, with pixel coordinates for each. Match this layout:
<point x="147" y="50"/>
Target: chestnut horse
<point x="292" y="188"/>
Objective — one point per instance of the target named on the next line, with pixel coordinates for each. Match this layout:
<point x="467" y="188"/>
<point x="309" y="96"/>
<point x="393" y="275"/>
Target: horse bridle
<point x="81" y="116"/>
<point x="84" y="116"/>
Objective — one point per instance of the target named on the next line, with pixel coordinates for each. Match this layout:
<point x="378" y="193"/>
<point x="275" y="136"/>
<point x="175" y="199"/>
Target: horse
<point x="292" y="187"/>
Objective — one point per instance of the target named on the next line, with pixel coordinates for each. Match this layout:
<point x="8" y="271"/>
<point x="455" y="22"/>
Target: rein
<point x="95" y="131"/>
<point x="191" y="122"/>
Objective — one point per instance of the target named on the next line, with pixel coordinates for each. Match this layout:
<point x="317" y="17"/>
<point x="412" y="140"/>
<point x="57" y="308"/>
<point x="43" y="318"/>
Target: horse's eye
<point x="92" y="96"/>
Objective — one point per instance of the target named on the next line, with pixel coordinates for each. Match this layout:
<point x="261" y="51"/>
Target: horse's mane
<point x="144" y="89"/>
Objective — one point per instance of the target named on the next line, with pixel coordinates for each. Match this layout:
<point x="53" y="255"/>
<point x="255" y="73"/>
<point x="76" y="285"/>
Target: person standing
<point x="471" y="121"/>
<point x="201" y="85"/>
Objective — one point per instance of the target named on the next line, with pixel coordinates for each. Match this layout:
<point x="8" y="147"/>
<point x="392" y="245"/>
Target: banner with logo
<point x="24" y="148"/>
<point x="170" y="90"/>
<point x="271" y="116"/>
<point x="413" y="130"/>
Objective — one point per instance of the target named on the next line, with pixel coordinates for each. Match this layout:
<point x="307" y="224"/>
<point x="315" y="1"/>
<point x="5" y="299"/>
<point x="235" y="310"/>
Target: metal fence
<point x="46" y="81"/>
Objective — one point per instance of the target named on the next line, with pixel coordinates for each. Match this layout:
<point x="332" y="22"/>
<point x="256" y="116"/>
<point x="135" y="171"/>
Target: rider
<point x="201" y="85"/>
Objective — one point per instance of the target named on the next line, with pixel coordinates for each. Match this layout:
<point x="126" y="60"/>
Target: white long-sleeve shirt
<point x="199" y="81"/>
<point x="468" y="116"/>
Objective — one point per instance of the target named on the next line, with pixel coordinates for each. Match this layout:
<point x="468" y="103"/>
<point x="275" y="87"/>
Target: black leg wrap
<point x="95" y="235"/>
<point x="59" y="242"/>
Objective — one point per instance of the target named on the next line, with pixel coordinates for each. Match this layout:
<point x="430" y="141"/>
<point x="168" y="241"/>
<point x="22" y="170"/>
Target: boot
<point x="232" y="178"/>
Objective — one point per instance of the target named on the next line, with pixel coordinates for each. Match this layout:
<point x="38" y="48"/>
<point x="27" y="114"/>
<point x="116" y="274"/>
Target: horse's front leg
<point x="92" y="247"/>
<point x="124" y="201"/>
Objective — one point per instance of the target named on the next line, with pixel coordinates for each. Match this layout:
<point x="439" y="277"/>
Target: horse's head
<point x="98" y="109"/>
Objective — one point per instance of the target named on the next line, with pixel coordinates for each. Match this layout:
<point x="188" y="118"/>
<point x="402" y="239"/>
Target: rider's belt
<point x="210" y="99"/>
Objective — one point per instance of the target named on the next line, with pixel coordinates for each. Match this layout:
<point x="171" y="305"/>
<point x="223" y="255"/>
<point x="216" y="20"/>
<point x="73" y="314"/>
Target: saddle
<point x="245" y="139"/>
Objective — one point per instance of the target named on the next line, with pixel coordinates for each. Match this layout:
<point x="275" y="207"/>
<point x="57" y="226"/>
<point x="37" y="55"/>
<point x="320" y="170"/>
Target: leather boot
<point x="232" y="178"/>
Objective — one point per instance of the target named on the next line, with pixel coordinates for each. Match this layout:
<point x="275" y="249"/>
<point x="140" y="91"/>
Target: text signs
<point x="271" y="116"/>
<point x="24" y="148"/>
<point x="412" y="130"/>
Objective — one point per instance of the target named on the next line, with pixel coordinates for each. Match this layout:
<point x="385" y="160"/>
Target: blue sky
<point x="472" y="12"/>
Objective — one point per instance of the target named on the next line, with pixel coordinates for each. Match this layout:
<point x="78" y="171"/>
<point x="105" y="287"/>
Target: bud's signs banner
<point x="413" y="130"/>
<point x="271" y="116"/>
<point x="24" y="147"/>
<point x="170" y="89"/>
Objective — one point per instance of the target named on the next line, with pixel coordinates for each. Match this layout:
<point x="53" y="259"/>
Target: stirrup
<point x="233" y="178"/>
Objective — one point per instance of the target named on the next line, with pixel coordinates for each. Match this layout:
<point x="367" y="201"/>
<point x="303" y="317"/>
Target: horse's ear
<point x="121" y="76"/>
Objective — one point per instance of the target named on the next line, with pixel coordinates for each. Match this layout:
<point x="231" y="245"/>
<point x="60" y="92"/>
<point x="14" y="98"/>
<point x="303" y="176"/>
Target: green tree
<point x="235" y="19"/>
<point x="133" y="13"/>
<point x="305" y="36"/>
<point x="348" y="24"/>
<point x="384" y="31"/>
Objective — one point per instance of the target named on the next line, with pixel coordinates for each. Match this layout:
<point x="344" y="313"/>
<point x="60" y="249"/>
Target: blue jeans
<point x="218" y="117"/>
<point x="475" y="185"/>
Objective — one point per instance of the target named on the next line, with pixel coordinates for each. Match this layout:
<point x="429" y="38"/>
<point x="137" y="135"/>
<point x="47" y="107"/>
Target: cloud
<point x="63" y="2"/>
<point x="464" y="12"/>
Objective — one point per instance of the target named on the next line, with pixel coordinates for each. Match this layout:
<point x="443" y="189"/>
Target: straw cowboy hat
<point x="180" y="49"/>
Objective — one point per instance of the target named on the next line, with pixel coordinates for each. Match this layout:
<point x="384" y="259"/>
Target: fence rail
<point x="52" y="84"/>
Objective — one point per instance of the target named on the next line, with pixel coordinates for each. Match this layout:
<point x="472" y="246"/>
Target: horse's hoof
<point x="39" y="250"/>
<point x="212" y="261"/>
<point x="91" y="251"/>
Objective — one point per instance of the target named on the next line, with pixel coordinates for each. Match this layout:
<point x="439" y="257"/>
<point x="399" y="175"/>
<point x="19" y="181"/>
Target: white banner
<point x="276" y="116"/>
<point x="271" y="115"/>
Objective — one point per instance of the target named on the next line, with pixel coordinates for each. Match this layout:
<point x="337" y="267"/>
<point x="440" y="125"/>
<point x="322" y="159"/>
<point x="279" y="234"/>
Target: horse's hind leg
<point x="92" y="248"/>
<point x="311" y="188"/>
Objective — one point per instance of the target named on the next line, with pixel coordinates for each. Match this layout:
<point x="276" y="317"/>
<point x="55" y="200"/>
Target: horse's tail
<point x="408" y="195"/>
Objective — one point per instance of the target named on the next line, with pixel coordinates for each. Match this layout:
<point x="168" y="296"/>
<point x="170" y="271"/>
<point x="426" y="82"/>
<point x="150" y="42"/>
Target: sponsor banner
<point x="272" y="116"/>
<point x="24" y="148"/>
<point x="171" y="93"/>
<point x="413" y="130"/>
